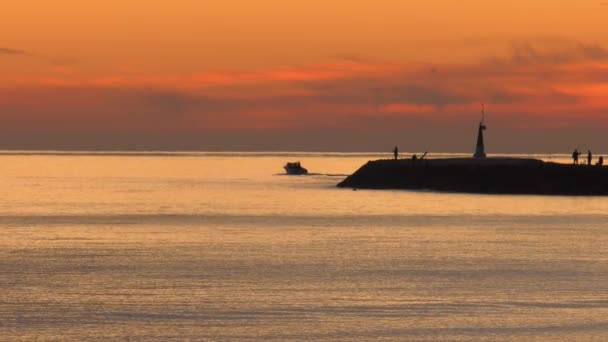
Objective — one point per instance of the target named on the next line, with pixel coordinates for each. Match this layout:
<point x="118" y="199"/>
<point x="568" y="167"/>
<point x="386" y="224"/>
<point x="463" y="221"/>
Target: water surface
<point x="221" y="246"/>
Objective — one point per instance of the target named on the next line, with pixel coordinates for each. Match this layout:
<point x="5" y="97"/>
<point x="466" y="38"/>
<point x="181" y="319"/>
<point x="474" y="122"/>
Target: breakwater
<point x="485" y="175"/>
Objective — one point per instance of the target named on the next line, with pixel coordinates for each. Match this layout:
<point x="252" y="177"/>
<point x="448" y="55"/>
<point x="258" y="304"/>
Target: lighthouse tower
<point x="480" y="151"/>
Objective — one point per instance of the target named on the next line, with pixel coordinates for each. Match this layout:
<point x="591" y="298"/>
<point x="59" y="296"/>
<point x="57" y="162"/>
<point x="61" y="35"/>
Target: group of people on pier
<point x="576" y="154"/>
<point x="414" y="156"/>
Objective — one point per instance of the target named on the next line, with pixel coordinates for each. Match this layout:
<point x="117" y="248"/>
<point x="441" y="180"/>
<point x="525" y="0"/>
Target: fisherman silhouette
<point x="575" y="155"/>
<point x="589" y="157"/>
<point x="600" y="161"/>
<point x="414" y="157"/>
<point x="396" y="152"/>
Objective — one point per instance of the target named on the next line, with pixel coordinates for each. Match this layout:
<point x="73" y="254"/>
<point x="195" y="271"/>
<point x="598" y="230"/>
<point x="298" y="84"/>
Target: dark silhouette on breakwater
<point x="481" y="174"/>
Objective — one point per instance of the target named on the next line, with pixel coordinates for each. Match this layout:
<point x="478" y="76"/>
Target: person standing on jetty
<point x="589" y="157"/>
<point x="575" y="155"/>
<point x="396" y="152"/>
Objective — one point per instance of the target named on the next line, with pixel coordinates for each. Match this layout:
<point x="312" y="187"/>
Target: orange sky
<point x="192" y="74"/>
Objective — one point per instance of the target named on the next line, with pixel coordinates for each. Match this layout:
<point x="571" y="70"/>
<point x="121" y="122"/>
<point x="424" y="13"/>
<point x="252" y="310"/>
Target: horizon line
<point x="250" y="152"/>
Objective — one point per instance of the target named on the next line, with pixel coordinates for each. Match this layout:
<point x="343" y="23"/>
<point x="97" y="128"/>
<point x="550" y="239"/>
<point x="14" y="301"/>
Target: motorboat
<point x="295" y="169"/>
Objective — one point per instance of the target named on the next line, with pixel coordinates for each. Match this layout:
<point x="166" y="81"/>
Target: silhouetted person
<point x="600" y="161"/>
<point x="575" y="155"/>
<point x="396" y="152"/>
<point x="589" y="157"/>
<point x="414" y="157"/>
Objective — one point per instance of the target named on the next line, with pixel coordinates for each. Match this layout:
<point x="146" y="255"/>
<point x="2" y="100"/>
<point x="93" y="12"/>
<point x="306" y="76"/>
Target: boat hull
<point x="296" y="171"/>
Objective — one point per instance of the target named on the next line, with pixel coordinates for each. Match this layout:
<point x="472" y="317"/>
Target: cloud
<point x="350" y="103"/>
<point x="12" y="52"/>
<point x="527" y="53"/>
<point x="594" y="51"/>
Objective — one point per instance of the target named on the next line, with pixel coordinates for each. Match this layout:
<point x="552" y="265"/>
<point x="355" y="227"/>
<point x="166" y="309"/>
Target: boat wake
<point x="315" y="174"/>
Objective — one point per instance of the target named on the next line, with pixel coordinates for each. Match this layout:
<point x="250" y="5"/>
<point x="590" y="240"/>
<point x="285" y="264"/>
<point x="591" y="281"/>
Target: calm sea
<point x="222" y="246"/>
